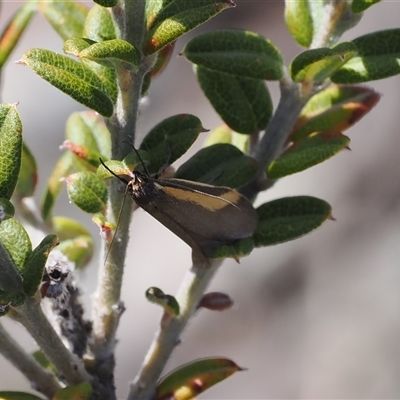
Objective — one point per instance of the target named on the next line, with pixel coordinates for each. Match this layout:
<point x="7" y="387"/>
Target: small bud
<point x="216" y="301"/>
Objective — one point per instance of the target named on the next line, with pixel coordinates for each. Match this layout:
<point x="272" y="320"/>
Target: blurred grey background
<point x="315" y="318"/>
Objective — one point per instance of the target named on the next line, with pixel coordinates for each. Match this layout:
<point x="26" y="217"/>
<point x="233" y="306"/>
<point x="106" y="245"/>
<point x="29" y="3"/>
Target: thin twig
<point x="168" y="337"/>
<point x="31" y="316"/>
<point x="41" y="380"/>
<point x="107" y="306"/>
<point x="277" y="133"/>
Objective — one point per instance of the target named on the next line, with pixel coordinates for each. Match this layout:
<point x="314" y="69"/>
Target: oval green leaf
<point x="114" y="51"/>
<point x="75" y="45"/>
<point x="107" y="75"/>
<point x="318" y="64"/>
<point x="66" y="17"/>
<point x="166" y="301"/>
<point x="10" y="148"/>
<point x="78" y="250"/>
<point x="306" y="153"/>
<point x="15" y="28"/>
<point x="177" y="17"/>
<point x="10" y="279"/>
<point x="288" y="218"/>
<point x="244" y="104"/>
<point x="87" y="191"/>
<point x="241" y="53"/>
<point x="71" y="77"/>
<point x="63" y="168"/>
<point x="86" y="131"/>
<point x="237" y="250"/>
<point x="223" y="134"/>
<point x="335" y="109"/>
<point x="377" y="57"/>
<point x="67" y="228"/>
<point x="99" y="25"/>
<point x="27" y="178"/>
<point x="221" y="164"/>
<point x="191" y="379"/>
<point x="170" y="139"/>
<point x="299" y="21"/>
<point x="34" y="268"/>
<point x="16" y="241"/>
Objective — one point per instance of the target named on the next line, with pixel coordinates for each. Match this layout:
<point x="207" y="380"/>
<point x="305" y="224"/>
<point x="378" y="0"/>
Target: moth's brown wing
<point x="203" y="216"/>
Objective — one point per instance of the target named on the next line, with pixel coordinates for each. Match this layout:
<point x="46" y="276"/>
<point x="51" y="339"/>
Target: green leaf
<point x="106" y="3"/>
<point x="177" y="17"/>
<point x="76" y="242"/>
<point x="10" y="279"/>
<point x="170" y="139"/>
<point x="166" y="301"/>
<point x="87" y="191"/>
<point x="99" y="25"/>
<point x="241" y="53"/>
<point x="71" y="77"/>
<point x="27" y="177"/>
<point x="66" y="17"/>
<point x="163" y="57"/>
<point x="6" y="209"/>
<point x="63" y="168"/>
<point x="221" y="165"/>
<point x="10" y="395"/>
<point x="153" y="9"/>
<point x="306" y="153"/>
<point x="83" y="391"/>
<point x="10" y="148"/>
<point x="115" y="51"/>
<point x="79" y="250"/>
<point x="34" y="268"/>
<point x="79" y="130"/>
<point x="75" y="45"/>
<point x="288" y="218"/>
<point x="299" y="21"/>
<point x="334" y="109"/>
<point x="191" y="379"/>
<point x="107" y="76"/>
<point x="16" y="241"/>
<point x="318" y="64"/>
<point x="244" y="104"/>
<point x="223" y="134"/>
<point x="118" y="167"/>
<point x="87" y="137"/>
<point x="236" y="250"/>
<point x="68" y="228"/>
<point x="14" y="29"/>
<point x="378" y="55"/>
<point x="361" y="5"/>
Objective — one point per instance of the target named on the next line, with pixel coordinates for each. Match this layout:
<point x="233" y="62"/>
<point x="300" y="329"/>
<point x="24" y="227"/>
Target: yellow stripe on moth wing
<point x="205" y="200"/>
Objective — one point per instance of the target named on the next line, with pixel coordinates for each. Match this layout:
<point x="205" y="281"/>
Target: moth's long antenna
<point x="112" y="172"/>
<point x="140" y="158"/>
<point x="117" y="226"/>
<point x="120" y="210"/>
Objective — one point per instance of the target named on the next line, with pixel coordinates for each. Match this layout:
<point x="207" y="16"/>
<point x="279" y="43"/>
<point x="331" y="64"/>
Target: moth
<point x="203" y="216"/>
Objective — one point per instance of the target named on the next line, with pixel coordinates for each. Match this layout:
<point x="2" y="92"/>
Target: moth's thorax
<point x="141" y="187"/>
